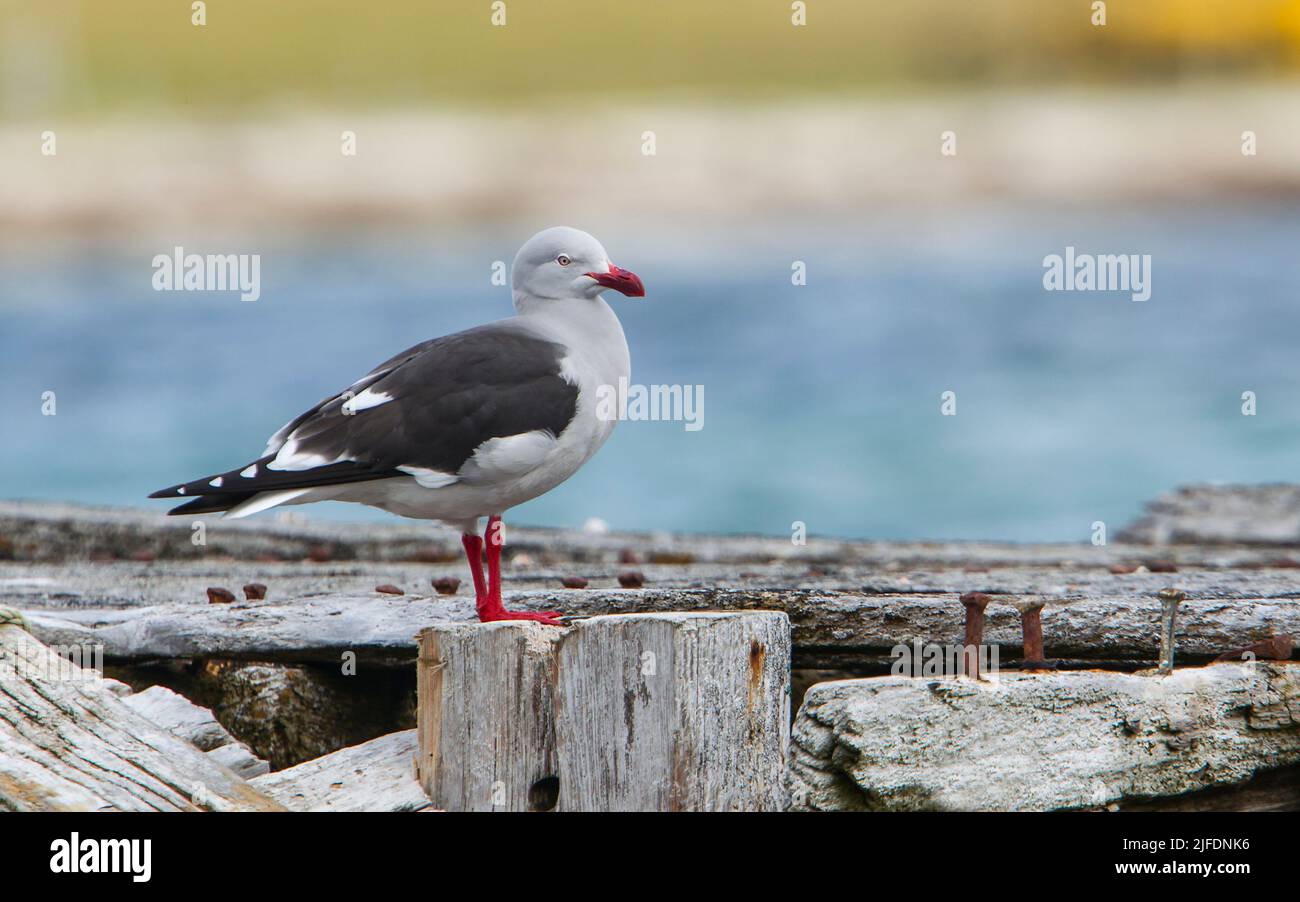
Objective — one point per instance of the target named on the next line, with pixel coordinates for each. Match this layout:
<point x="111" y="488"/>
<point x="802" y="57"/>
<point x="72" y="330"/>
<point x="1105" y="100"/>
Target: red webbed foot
<point x="549" y="618"/>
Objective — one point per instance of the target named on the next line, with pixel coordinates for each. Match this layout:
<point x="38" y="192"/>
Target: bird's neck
<point x="587" y="324"/>
<point x="589" y="317"/>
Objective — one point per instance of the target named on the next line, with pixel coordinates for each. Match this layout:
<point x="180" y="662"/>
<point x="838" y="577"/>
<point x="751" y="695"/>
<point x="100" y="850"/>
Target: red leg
<point x="474" y="552"/>
<point x="489" y="604"/>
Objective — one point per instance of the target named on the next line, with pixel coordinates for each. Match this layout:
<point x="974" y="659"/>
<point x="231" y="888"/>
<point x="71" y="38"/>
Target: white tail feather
<point x="264" y="500"/>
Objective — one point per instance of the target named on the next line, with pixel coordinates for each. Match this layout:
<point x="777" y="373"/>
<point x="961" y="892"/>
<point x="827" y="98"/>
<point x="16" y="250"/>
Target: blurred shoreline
<point x="713" y="162"/>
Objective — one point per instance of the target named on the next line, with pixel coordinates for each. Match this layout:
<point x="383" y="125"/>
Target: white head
<point x="564" y="263"/>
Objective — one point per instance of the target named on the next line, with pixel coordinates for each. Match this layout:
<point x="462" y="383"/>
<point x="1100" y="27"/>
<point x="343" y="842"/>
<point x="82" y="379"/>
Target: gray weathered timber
<point x="674" y="712"/>
<point x="240" y="759"/>
<point x="69" y="743"/>
<point x="645" y="712"/>
<point x="45" y="531"/>
<point x="179" y="716"/>
<point x="1111" y="623"/>
<point x="1277" y="789"/>
<point x="1041" y="741"/>
<point x="57" y="532"/>
<point x="186" y="720"/>
<point x="1221" y="514"/>
<point x="378" y="775"/>
<point x="486" y="717"/>
<point x="850" y="602"/>
<point x="134" y="581"/>
<point x="80" y="588"/>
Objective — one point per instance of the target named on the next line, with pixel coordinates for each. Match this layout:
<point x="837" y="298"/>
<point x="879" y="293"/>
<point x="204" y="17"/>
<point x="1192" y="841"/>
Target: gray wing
<point x="428" y="408"/>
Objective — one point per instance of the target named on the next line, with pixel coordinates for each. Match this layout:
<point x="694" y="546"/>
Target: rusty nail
<point x="218" y="595"/>
<point x="1278" y="648"/>
<point x="975" y="603"/>
<point x="1169" y="599"/>
<point x="574" y="582"/>
<point x="254" y="591"/>
<point x="1031" y="624"/>
<point x="631" y="579"/>
<point x="389" y="589"/>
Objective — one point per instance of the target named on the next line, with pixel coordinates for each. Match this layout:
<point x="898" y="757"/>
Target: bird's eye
<point x="563" y="260"/>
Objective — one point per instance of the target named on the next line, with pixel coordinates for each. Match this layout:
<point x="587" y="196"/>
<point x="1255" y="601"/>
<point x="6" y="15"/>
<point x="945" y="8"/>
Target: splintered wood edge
<point x="429" y="667"/>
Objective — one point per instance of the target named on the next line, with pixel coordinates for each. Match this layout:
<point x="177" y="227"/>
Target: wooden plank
<point x="1107" y="625"/>
<point x="56" y="531"/>
<point x="378" y="775"/>
<point x="196" y="725"/>
<point x="1217" y="514"/>
<point x="68" y="743"/>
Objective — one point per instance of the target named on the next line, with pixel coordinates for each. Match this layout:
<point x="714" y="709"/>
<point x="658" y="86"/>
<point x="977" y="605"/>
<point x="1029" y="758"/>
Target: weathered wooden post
<point x="640" y="712"/>
<point x="675" y="712"/>
<point x="486" y="716"/>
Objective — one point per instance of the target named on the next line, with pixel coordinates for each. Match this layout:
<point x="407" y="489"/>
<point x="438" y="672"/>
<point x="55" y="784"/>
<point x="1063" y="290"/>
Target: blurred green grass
<point x="106" y="55"/>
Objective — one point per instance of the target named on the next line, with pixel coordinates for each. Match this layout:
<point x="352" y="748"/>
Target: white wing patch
<point x="568" y="372"/>
<point x="430" y="479"/>
<point x="291" y="459"/>
<point x="276" y="442"/>
<point x="509" y="456"/>
<point x="216" y="483"/>
<point x="365" y="401"/>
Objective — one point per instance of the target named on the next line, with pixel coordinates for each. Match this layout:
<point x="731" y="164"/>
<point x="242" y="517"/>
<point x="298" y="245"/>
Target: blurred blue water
<point x="821" y="402"/>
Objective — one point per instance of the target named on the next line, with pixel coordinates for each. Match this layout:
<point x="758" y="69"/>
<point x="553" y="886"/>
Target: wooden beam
<point x="830" y="629"/>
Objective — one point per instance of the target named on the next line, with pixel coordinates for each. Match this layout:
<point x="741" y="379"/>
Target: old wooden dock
<point x="324" y="664"/>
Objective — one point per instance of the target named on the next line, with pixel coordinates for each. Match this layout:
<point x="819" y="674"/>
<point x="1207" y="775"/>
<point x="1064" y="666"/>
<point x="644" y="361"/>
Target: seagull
<point x="461" y="427"/>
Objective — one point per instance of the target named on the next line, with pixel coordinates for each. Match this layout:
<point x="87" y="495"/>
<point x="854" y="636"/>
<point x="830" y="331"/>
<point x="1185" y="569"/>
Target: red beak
<point x="620" y="280"/>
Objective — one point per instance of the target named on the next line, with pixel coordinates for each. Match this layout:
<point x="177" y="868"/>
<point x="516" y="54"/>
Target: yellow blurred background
<point x="98" y="56"/>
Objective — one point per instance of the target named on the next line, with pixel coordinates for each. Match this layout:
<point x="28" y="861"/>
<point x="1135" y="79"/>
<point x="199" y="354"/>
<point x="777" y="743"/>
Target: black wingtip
<point x="165" y="493"/>
<point x="209" y="504"/>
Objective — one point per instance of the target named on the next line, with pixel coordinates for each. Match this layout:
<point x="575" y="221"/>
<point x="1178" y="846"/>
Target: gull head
<point x="564" y="263"/>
